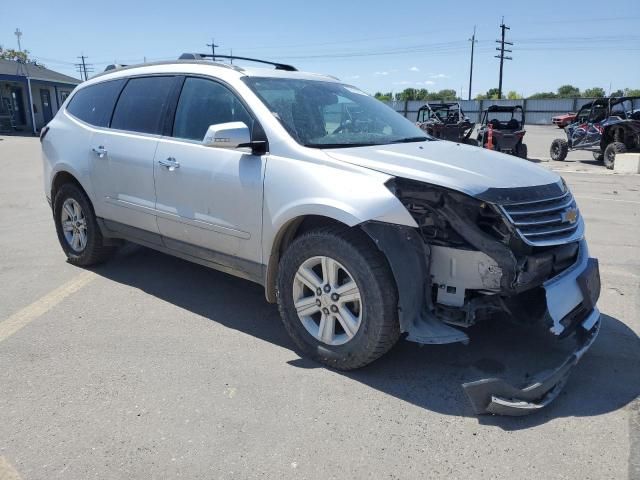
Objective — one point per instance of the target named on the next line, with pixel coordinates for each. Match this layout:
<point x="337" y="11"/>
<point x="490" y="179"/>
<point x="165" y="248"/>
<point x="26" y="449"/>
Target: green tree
<point x="447" y="94"/>
<point x="595" y="92"/>
<point x="492" y="94"/>
<point x="384" y="97"/>
<point x="513" y="95"/>
<point x="543" y="95"/>
<point x="17" y="55"/>
<point x="632" y="92"/>
<point x="617" y="93"/>
<point x="568" y="91"/>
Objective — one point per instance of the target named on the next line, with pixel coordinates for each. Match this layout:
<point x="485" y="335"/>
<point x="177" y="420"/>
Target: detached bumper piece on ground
<point x="496" y="396"/>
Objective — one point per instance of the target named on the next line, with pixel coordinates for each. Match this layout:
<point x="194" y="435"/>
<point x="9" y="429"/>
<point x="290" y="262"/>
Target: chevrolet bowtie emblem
<point x="571" y="215"/>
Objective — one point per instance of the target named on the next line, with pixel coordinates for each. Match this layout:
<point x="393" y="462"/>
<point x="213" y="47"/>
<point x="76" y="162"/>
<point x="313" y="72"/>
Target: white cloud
<point x="353" y="77"/>
<point x="381" y="73"/>
<point x="417" y="84"/>
<point x="414" y="69"/>
<point x="439" y="75"/>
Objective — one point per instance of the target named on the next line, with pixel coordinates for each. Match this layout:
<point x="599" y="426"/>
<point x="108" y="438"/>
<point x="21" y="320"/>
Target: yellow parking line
<point x="7" y="472"/>
<point x="41" y="306"/>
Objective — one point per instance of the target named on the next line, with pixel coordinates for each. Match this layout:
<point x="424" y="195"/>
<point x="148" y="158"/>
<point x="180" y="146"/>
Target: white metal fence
<point x="537" y="112"/>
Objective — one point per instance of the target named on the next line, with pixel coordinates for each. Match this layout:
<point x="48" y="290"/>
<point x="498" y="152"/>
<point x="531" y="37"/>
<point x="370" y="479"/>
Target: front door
<point x="45" y="98"/>
<point x="586" y="131"/>
<point x="17" y="102"/>
<point x="209" y="203"/>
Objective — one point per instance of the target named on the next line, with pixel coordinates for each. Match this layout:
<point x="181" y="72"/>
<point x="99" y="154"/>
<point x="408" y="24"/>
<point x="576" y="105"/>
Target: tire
<point x="82" y="253"/>
<point x="559" y="149"/>
<point x="598" y="156"/>
<point x="522" y="151"/>
<point x="471" y="141"/>
<point x="610" y="153"/>
<point x="376" y="313"/>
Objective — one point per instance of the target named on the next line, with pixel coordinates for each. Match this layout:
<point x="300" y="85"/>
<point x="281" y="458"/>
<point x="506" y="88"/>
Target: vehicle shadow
<point x="606" y="379"/>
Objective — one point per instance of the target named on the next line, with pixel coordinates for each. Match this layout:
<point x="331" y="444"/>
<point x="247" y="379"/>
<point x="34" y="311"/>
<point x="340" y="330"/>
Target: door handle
<point x="170" y="163"/>
<point x="100" y="151"/>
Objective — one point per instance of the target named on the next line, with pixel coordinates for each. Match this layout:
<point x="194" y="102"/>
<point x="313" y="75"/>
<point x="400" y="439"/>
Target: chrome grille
<point x="545" y="222"/>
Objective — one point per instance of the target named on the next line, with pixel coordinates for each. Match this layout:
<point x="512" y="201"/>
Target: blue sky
<point x="378" y="46"/>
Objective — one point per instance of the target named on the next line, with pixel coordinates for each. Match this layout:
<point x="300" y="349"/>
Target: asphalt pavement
<point x="153" y="367"/>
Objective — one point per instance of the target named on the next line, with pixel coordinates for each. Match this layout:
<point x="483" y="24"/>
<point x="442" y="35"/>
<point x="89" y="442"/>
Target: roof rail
<point x="113" y="66"/>
<point x="202" y="56"/>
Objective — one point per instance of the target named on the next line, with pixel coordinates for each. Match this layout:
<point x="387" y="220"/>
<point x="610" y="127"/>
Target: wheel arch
<point x="62" y="177"/>
<point x="283" y="238"/>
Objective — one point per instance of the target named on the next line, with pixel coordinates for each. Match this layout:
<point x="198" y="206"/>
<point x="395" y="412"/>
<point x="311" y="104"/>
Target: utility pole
<point x="473" y="42"/>
<point x="18" y="34"/>
<point x="84" y="68"/>
<point x="213" y="49"/>
<point x="502" y="58"/>
<point x="231" y="55"/>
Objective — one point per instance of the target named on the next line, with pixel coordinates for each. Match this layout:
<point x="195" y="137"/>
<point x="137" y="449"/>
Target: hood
<point x="467" y="169"/>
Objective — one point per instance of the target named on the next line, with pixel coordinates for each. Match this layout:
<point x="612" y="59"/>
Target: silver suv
<point x="360" y="226"/>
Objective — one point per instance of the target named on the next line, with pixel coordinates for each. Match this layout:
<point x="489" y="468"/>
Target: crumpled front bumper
<point x="495" y="396"/>
<point x="577" y="289"/>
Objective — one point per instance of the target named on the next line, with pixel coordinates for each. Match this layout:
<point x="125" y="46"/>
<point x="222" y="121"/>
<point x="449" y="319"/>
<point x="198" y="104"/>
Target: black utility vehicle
<point x="606" y="127"/>
<point x="446" y="121"/>
<point x="506" y="124"/>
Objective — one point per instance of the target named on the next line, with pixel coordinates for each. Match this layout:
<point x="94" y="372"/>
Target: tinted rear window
<point x="141" y="105"/>
<point x="94" y="104"/>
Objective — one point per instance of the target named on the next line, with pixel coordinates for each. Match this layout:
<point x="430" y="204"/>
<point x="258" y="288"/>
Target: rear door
<point x="209" y="204"/>
<point x="123" y="154"/>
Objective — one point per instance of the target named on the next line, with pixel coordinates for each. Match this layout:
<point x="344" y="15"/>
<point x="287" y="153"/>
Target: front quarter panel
<point x="295" y="188"/>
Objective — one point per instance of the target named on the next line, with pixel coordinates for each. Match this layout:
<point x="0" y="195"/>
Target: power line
<point x="502" y="57"/>
<point x="473" y="42"/>
<point x="84" y="68"/>
<point x="213" y="49"/>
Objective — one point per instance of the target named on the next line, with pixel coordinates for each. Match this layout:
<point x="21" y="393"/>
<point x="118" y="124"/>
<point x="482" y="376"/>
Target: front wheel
<point x="598" y="156"/>
<point x="559" y="149"/>
<point x="337" y="298"/>
<point x="610" y="153"/>
<point x="77" y="228"/>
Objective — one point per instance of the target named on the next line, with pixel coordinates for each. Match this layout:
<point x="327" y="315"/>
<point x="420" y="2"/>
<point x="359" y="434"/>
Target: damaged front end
<point x="518" y="253"/>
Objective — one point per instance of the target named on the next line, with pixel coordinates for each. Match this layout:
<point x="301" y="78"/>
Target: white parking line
<point x="7" y="472"/>
<point x="23" y="317"/>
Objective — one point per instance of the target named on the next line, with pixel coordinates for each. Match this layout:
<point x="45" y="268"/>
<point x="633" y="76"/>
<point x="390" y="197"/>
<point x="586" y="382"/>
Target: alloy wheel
<point x="74" y="225"/>
<point x="327" y="300"/>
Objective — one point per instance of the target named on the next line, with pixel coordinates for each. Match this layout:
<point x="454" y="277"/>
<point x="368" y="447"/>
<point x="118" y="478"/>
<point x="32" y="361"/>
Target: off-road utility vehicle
<point x="357" y="223"/>
<point x="502" y="129"/>
<point x="606" y="126"/>
<point x="446" y="121"/>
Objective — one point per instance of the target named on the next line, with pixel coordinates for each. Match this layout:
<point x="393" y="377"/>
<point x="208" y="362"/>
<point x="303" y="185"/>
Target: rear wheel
<point x="559" y="149"/>
<point x="337" y="298"/>
<point x="521" y="150"/>
<point x="77" y="228"/>
<point x="610" y="153"/>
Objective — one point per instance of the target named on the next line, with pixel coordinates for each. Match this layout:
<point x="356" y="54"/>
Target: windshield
<point x="331" y="115"/>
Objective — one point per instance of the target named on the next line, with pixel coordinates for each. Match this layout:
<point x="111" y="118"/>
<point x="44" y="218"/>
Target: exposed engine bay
<point x="513" y="253"/>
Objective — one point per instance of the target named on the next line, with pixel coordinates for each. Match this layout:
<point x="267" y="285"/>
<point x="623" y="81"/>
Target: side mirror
<point x="228" y="135"/>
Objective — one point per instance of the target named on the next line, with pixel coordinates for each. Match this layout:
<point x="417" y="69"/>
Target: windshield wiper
<point x="410" y="139"/>
<point x="338" y="145"/>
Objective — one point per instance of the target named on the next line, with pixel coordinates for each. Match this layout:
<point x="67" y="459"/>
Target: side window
<point x="204" y="103"/>
<point x="94" y="104"/>
<point x="141" y="104"/>
<point x="583" y="115"/>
